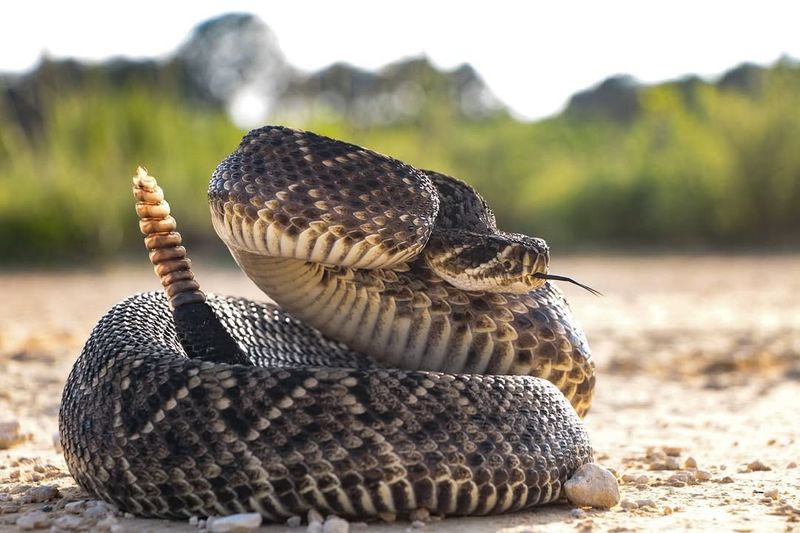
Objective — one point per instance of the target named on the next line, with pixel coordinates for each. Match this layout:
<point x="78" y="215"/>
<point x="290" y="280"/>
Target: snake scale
<point x="416" y="358"/>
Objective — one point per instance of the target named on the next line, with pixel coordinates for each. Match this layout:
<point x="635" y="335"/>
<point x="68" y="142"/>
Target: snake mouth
<point x="556" y="277"/>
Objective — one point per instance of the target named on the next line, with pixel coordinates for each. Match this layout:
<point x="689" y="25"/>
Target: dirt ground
<point x="696" y="409"/>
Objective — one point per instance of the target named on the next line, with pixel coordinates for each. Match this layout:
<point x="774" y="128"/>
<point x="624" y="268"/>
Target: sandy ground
<point x="699" y="364"/>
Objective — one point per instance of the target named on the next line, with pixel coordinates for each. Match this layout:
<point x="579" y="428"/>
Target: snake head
<point x="503" y="262"/>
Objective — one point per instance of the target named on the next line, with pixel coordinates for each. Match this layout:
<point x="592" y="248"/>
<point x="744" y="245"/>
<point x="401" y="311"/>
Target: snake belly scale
<point x="414" y="360"/>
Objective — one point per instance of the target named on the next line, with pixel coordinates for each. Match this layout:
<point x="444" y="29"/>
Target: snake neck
<point x="416" y="321"/>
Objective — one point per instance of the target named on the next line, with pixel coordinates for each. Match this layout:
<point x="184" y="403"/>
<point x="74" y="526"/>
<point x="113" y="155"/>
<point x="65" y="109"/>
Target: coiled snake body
<point x="403" y="369"/>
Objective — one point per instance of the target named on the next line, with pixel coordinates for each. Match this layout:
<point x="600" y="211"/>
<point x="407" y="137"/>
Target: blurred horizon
<point x="690" y="164"/>
<point x="572" y="45"/>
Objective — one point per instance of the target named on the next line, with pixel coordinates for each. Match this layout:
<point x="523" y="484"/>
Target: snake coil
<point x="417" y="359"/>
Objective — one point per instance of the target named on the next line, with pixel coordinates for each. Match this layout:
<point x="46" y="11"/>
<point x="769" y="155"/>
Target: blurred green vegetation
<point x="698" y="166"/>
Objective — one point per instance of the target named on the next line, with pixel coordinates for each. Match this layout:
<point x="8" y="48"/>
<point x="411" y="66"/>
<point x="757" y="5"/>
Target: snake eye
<point x="508" y="264"/>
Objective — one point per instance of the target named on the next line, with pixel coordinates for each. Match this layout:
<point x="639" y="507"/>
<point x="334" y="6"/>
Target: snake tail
<point x="199" y="330"/>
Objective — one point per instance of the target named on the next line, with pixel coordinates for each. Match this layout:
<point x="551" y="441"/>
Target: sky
<point x="533" y="55"/>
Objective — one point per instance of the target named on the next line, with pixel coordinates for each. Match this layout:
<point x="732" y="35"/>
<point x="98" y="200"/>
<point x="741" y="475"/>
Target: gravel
<point x="33" y="520"/>
<point x="234" y="523"/>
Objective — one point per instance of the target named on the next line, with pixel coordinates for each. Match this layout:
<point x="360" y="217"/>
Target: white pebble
<point x="578" y="513"/>
<point x="314" y="516"/>
<point x="75" y="507"/>
<point x="109" y="524"/>
<point x="33" y="520"/>
<point x="334" y="524"/>
<point x="294" y="521"/>
<point x="592" y="486"/>
<point x="98" y="509"/>
<point x="68" y="522"/>
<point x="234" y="523"/>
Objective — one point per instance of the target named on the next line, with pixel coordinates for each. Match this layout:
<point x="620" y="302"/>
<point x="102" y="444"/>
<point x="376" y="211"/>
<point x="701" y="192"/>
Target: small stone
<point x="68" y="522"/>
<point x="726" y="479"/>
<point x="294" y="521"/>
<point x="702" y="475"/>
<point x="75" y="507"/>
<point x="10" y="434"/>
<point x="758" y="466"/>
<point x="109" y="524"/>
<point x="629" y="478"/>
<point x="683" y="477"/>
<point x="315" y="517"/>
<point x="628" y="505"/>
<point x="33" y="520"/>
<point x="234" y="523"/>
<point x="792" y="465"/>
<point x="771" y="442"/>
<point x="98" y="509"/>
<point x="672" y="451"/>
<point x="642" y="480"/>
<point x="8" y="508"/>
<point x="387" y="516"/>
<point x="690" y="462"/>
<point x="417" y="524"/>
<point x="334" y="524"/>
<point x="40" y="494"/>
<point x="667" y="510"/>
<point x="772" y="494"/>
<point x="645" y="503"/>
<point x="193" y="521"/>
<point x="592" y="486"/>
<point x="578" y="513"/>
<point x="671" y="464"/>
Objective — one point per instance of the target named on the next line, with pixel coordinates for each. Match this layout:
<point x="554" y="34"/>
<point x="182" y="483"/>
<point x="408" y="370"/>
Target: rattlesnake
<point x="396" y="375"/>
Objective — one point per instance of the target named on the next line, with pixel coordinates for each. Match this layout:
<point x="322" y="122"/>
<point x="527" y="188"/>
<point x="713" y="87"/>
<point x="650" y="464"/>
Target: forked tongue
<point x="542" y="275"/>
